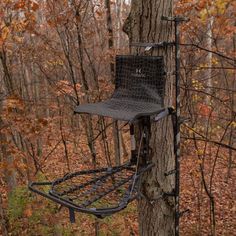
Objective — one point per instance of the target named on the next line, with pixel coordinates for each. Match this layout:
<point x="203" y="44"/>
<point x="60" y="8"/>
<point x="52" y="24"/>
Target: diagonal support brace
<point x="72" y="215"/>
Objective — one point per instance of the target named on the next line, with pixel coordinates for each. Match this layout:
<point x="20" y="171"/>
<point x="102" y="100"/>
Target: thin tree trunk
<point x="3" y="220"/>
<point x="156" y="214"/>
<point x="119" y="8"/>
<point x="209" y="59"/>
<point x="89" y="123"/>
<point x="10" y="176"/>
<point x="115" y="126"/>
<point x="232" y="136"/>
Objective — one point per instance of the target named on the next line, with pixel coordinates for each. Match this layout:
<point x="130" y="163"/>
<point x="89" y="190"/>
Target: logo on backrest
<point x="138" y="70"/>
<point x="138" y="73"/>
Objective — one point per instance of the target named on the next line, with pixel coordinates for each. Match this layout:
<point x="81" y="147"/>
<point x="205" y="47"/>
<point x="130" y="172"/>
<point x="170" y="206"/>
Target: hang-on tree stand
<point x="138" y="98"/>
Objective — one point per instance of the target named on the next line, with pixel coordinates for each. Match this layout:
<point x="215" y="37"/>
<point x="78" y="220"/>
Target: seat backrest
<point x="140" y="78"/>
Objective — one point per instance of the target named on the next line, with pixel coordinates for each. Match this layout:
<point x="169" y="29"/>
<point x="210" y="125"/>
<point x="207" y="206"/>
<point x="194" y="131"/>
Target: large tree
<point x="156" y="214"/>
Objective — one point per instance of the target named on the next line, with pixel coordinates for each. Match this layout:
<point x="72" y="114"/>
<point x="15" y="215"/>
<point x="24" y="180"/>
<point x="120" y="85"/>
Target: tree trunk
<point x="8" y="89"/>
<point x="115" y="125"/>
<point x="156" y="213"/>
<point x="3" y="220"/>
<point x="209" y="41"/>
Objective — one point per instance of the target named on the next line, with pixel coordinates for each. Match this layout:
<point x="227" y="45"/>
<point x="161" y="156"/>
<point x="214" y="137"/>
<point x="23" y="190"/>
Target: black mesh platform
<point x="139" y="90"/>
<point x="100" y="192"/>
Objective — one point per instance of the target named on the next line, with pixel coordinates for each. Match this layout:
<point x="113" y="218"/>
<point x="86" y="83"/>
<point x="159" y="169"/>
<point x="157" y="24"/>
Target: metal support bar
<point x="146" y="126"/>
<point x="177" y="127"/>
<point x="133" y="145"/>
<point x="72" y="215"/>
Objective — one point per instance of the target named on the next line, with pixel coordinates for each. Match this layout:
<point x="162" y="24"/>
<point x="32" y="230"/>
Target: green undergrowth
<point x="17" y="201"/>
<point x="31" y="215"/>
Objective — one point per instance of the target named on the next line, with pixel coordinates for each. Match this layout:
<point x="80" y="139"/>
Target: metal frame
<point x="98" y="212"/>
<point x="140" y="167"/>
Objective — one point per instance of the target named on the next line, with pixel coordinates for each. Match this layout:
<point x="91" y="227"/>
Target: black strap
<point x="72" y="215"/>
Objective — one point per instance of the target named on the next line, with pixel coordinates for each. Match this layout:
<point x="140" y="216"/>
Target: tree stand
<point x="138" y="98"/>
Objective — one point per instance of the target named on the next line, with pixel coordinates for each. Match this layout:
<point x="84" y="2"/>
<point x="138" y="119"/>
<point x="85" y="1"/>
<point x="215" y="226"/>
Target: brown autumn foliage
<point x="55" y="55"/>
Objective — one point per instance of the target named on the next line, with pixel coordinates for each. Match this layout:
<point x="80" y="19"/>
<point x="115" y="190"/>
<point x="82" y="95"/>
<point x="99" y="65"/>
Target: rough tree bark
<point x="115" y="125"/>
<point x="7" y="89"/>
<point x="3" y="220"/>
<point x="156" y="214"/>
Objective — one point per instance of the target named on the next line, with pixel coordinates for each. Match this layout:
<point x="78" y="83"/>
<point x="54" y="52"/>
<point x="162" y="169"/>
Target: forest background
<point x="57" y="54"/>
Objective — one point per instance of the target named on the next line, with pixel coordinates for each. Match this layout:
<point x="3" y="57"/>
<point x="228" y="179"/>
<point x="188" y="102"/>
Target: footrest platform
<point x="100" y="192"/>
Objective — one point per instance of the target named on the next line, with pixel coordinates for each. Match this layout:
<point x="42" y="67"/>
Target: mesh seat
<point x="139" y="89"/>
